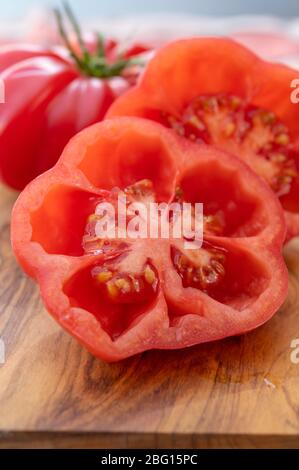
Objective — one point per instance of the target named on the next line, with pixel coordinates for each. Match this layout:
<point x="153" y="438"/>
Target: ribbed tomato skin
<point x="47" y="101"/>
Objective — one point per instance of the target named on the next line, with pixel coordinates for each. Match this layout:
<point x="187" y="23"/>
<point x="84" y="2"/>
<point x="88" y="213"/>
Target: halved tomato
<point x="121" y="295"/>
<point x="217" y="92"/>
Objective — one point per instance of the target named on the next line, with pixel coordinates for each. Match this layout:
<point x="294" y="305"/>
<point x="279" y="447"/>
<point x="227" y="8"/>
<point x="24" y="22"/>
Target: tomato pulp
<point x="217" y="92"/>
<point x="121" y="296"/>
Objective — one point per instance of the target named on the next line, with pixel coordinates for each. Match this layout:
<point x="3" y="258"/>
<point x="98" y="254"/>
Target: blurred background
<point x="286" y="8"/>
<point x="269" y="27"/>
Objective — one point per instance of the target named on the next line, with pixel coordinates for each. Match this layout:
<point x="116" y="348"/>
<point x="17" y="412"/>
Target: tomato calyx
<point x="233" y="124"/>
<point x="91" y="64"/>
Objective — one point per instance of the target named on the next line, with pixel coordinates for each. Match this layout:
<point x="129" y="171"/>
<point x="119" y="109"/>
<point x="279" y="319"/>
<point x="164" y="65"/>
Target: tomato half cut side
<point x="214" y="91"/>
<point x="123" y="294"/>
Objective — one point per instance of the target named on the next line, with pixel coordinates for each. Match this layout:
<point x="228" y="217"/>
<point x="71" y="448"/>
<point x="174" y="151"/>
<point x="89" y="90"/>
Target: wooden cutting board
<point x="240" y="392"/>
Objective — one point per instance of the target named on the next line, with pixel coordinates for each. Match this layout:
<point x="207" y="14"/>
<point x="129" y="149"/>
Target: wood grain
<point x="55" y="394"/>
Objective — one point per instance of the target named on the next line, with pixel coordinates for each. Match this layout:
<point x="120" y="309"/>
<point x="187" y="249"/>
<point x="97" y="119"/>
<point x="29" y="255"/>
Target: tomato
<point x="50" y="97"/>
<point x="123" y="295"/>
<point x="215" y="91"/>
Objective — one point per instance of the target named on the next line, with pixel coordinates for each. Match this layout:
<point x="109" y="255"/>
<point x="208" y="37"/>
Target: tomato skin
<point x="14" y="53"/>
<point x="47" y="227"/>
<point x="47" y="101"/>
<point x="186" y="69"/>
<point x="81" y="102"/>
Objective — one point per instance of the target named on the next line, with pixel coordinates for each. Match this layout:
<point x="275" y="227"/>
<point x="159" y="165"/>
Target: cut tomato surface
<point x="215" y="91"/>
<point x="123" y="295"/>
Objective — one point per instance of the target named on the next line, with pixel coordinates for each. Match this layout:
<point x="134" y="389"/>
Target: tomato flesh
<point x="120" y="295"/>
<point x="213" y="90"/>
<point x="255" y="134"/>
<point x="203" y="269"/>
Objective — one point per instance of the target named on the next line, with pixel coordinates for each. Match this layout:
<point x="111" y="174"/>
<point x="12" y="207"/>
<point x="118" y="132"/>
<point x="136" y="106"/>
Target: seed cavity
<point x="213" y="224"/>
<point x="125" y="287"/>
<point x="229" y="121"/>
<point x="204" y="273"/>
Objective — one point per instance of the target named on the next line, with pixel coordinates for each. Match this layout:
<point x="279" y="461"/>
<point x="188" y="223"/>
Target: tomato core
<point x="201" y="268"/>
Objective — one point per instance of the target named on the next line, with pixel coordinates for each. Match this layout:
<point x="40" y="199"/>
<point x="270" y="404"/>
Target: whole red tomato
<point x="51" y="94"/>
